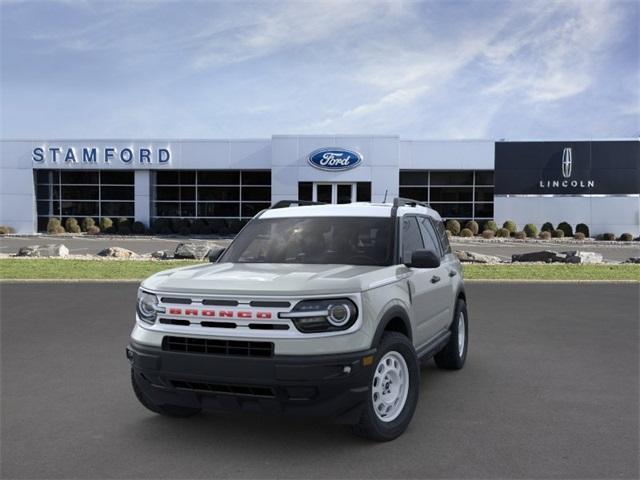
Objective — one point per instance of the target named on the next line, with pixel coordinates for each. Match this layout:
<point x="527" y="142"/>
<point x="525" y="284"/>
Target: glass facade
<point x="87" y="193"/>
<point x="459" y="194"/>
<point x="223" y="194"/>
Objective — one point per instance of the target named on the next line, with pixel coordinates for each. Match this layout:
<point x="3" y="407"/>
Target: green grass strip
<point x="54" y="269"/>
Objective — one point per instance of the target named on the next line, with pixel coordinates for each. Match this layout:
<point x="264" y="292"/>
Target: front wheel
<point x="454" y="354"/>
<point x="394" y="388"/>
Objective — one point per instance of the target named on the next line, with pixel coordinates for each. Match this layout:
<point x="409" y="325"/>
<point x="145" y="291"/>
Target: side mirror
<point x="215" y="253"/>
<point x="424" y="259"/>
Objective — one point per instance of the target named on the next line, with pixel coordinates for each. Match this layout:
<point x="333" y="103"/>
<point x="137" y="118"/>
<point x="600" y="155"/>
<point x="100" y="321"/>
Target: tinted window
<point x="318" y="240"/>
<point x="411" y="238"/>
<point x="442" y="234"/>
<point x="430" y="237"/>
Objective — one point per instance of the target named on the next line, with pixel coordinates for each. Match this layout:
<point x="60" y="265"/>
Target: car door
<point x="423" y="283"/>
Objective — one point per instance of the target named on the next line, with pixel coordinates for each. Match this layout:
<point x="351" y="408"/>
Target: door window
<point x="442" y="235"/>
<point x="411" y="238"/>
<point x="323" y="193"/>
<point x="430" y="237"/>
<point x="344" y="193"/>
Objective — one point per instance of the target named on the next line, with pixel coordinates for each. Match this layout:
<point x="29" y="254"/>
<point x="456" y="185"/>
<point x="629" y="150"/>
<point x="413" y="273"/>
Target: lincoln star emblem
<point x="566" y="162"/>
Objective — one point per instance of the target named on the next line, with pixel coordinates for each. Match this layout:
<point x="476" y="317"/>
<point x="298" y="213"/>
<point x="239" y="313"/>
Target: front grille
<point x="218" y="347"/>
<point x="249" y="390"/>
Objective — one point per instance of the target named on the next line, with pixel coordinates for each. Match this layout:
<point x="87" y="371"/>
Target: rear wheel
<point x="394" y="388"/>
<point x="454" y="354"/>
<point x="168" y="410"/>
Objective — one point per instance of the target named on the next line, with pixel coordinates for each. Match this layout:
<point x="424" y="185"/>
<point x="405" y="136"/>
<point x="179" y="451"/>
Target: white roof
<point x="359" y="209"/>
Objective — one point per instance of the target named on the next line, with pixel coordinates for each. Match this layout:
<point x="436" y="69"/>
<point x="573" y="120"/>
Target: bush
<point x="583" y="228"/>
<point x="520" y="235"/>
<point x="86" y="223"/>
<point x="626" y="237"/>
<point x="453" y="226"/>
<point x="503" y="233"/>
<point x="557" y="233"/>
<point x="566" y="228"/>
<point x="530" y="230"/>
<point x="609" y="237"/>
<point x="71" y="225"/>
<point x="53" y="224"/>
<point x="93" y="230"/>
<point x="491" y="225"/>
<point x="466" y="232"/>
<point x="488" y="234"/>
<point x="449" y="234"/>
<point x="123" y="226"/>
<point x="161" y="226"/>
<point x="578" y="236"/>
<point x="473" y="226"/>
<point x="5" y="229"/>
<point x="547" y="227"/>
<point x="138" y="228"/>
<point x="545" y="235"/>
<point x="58" y="230"/>
<point x="510" y="225"/>
<point x="106" y="225"/>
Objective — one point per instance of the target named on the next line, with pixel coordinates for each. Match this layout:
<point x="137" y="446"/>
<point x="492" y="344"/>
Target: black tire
<point x="167" y="410"/>
<point x="450" y="357"/>
<point x="370" y="425"/>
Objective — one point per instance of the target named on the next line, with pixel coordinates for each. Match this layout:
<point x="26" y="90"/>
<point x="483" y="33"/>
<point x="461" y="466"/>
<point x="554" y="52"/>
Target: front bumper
<point x="310" y="385"/>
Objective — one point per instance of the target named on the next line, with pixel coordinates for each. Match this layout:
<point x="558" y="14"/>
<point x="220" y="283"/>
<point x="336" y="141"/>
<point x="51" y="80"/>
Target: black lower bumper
<point x="321" y="385"/>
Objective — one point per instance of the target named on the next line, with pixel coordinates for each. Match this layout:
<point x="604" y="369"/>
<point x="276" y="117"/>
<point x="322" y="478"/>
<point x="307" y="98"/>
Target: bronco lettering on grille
<point x="243" y="314"/>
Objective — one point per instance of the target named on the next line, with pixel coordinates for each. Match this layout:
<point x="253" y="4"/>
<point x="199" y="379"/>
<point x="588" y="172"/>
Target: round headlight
<point x="147" y="306"/>
<point x="339" y="314"/>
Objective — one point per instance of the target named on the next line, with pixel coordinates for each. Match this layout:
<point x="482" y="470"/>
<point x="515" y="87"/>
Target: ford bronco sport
<point x="312" y="309"/>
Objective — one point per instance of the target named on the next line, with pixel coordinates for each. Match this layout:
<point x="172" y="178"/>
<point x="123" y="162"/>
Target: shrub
<point x="52" y="224"/>
<point x="503" y="233"/>
<point x="488" y="234"/>
<point x="161" y="226"/>
<point x="453" y="226"/>
<point x="510" y="225"/>
<point x="491" y="225"/>
<point x="86" y="223"/>
<point x="520" y="235"/>
<point x="566" y="228"/>
<point x="546" y="227"/>
<point x="626" y="237"/>
<point x="71" y="225"/>
<point x="473" y="226"/>
<point x="557" y="233"/>
<point x="138" y="228"/>
<point x="545" y="235"/>
<point x="58" y="230"/>
<point x="466" y="232"/>
<point x="607" y="237"/>
<point x="449" y="234"/>
<point x="4" y="229"/>
<point x="530" y="230"/>
<point x="583" y="228"/>
<point x="93" y="230"/>
<point x="123" y="225"/>
<point x="579" y="236"/>
<point x="106" y="225"/>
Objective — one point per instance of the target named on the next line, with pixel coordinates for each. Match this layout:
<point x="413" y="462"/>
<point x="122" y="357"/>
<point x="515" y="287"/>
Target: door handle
<point x="435" y="279"/>
<point x="452" y="273"/>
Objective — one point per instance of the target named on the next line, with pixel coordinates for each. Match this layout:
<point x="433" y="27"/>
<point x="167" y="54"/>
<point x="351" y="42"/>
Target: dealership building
<point x="596" y="182"/>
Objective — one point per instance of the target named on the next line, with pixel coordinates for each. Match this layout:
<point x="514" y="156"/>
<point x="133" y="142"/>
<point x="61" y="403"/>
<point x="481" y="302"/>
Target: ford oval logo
<point x="334" y="159"/>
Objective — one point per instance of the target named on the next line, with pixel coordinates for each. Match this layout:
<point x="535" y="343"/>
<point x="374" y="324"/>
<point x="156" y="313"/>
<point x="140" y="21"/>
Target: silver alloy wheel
<point x="461" y="334"/>
<point x="390" y="386"/>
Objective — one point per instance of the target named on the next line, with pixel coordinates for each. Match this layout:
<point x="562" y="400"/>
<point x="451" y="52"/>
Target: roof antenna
<point x="385" y="196"/>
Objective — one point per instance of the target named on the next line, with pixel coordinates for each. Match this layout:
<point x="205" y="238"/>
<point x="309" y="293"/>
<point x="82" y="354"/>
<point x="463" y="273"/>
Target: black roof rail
<point x="295" y="203"/>
<point x="406" y="202"/>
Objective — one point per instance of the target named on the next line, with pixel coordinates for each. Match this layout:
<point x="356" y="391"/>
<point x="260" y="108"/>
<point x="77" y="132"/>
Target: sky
<point x="421" y="70"/>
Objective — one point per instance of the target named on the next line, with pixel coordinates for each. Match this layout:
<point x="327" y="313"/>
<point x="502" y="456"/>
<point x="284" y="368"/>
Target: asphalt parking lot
<point x="550" y="390"/>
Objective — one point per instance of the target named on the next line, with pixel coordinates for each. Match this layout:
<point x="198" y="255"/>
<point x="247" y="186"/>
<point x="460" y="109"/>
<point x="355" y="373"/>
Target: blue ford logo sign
<point x="334" y="159"/>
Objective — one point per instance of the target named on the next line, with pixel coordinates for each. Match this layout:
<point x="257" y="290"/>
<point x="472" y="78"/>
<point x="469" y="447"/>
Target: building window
<point x="86" y="193"/>
<point x="460" y="194"/>
<point x="224" y="194"/>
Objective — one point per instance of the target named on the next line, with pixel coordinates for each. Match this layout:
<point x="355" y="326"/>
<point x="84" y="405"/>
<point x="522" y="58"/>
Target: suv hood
<point x="268" y="279"/>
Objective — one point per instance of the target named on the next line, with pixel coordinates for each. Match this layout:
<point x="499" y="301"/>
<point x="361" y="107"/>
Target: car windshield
<point x="341" y="240"/>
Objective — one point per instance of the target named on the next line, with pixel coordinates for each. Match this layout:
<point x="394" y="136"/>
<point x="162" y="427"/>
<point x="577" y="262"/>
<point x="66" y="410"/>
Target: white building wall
<point x="447" y="155"/>
<point x="17" y="187"/>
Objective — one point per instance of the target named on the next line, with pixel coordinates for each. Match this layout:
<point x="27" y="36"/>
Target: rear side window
<point x="411" y="238"/>
<point x="430" y="237"/>
<point x="442" y="234"/>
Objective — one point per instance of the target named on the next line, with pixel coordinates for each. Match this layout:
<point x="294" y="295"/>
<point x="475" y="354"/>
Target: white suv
<point x="312" y="310"/>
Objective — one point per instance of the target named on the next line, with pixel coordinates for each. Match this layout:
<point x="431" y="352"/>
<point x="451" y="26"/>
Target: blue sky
<point x="424" y="70"/>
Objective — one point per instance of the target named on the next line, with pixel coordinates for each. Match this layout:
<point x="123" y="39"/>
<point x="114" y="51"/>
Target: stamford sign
<point x="95" y="155"/>
<point x="334" y="159"/>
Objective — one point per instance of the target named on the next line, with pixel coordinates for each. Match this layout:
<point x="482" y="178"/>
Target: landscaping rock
<point x="473" y="257"/>
<point x="546" y="256"/>
<point x="50" y="250"/>
<point x="582" y="257"/>
<point x="161" y="255"/>
<point x="197" y="251"/>
<point x="632" y="260"/>
<point x="214" y="252"/>
<point x="117" y="252"/>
